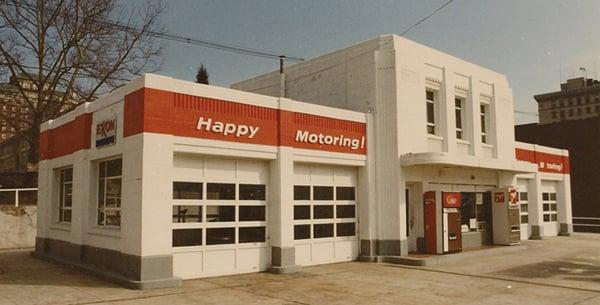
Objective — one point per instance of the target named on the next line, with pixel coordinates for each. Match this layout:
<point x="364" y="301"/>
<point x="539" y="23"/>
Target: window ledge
<point x="487" y="145"/>
<point x="105" y="231"/>
<point x="434" y="137"/>
<point x="62" y="226"/>
<point x="461" y="141"/>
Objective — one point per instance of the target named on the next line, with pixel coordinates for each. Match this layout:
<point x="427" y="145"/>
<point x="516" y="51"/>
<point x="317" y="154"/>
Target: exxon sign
<point x="106" y="132"/>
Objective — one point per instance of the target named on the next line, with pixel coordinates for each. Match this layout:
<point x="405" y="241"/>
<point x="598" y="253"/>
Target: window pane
<point x="252" y="213"/>
<point x="323" y="192"/>
<point x="524" y="207"/>
<point x="100" y="218"/>
<point x="553" y="217"/>
<point x="252" y="192"/>
<point x="345" y="211"/>
<point x="220" y="236"/>
<point x="66" y="215"/>
<point x="187" y="190"/>
<point x="67" y="175"/>
<point x="102" y="169"/>
<point x="101" y="192"/>
<point x="302" y="212"/>
<point x="523" y="196"/>
<point x="187" y="213"/>
<point x="458" y="115"/>
<point x="223" y="191"/>
<point x="546" y="207"/>
<point x="545" y="196"/>
<point x="113" y="218"/>
<point x="546" y="217"/>
<point x="113" y="187"/>
<point x="524" y="219"/>
<point x="301" y="232"/>
<point x="187" y="237"/>
<point x="323" y="230"/>
<point x="252" y="235"/>
<point x="553" y="196"/>
<point x="346" y="229"/>
<point x="431" y="129"/>
<point x="322" y="211"/>
<point x="113" y="168"/>
<point x="221" y="213"/>
<point x="301" y="192"/>
<point x="68" y="200"/>
<point x="553" y="207"/>
<point x="430" y="113"/>
<point x="344" y="193"/>
<point x="429" y="95"/>
<point x="112" y="202"/>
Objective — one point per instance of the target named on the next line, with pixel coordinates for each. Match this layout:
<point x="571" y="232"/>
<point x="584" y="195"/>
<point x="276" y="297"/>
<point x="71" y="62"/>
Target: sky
<point x="536" y="43"/>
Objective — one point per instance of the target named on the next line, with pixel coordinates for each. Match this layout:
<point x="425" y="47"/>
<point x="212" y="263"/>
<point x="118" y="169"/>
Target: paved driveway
<point x="553" y="271"/>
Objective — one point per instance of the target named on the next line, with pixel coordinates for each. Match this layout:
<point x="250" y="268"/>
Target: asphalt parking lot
<point x="559" y="270"/>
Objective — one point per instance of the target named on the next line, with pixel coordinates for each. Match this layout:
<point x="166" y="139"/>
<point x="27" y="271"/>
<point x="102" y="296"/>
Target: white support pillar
<point x="536" y="223"/>
<point x="565" y="215"/>
<point x="281" y="213"/>
<point x="446" y="111"/>
<point x="474" y="118"/>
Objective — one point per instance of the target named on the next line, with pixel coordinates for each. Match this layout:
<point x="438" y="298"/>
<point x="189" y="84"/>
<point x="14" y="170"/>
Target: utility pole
<point x="281" y="76"/>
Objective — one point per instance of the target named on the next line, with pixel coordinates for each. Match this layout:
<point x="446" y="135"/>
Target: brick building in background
<point x="578" y="98"/>
<point x="569" y="119"/>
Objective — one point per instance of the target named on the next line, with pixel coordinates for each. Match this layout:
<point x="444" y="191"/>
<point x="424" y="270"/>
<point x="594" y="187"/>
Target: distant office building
<point x="578" y="98"/>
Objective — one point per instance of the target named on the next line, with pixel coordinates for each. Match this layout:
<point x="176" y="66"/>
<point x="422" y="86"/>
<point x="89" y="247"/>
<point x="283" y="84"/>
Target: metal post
<point x="281" y="76"/>
<point x="17" y="198"/>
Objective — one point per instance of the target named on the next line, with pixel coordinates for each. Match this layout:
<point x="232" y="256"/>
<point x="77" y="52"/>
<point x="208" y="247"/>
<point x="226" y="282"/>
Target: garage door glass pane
<point x="187" y="190"/>
<point x="523" y="196"/>
<point x="223" y="191"/>
<point x="344" y="193"/>
<point x="545" y="196"/>
<point x="346" y="229"/>
<point x="553" y="196"/>
<point x="252" y="213"/>
<point x="187" y="213"/>
<point x="322" y="211"/>
<point x="252" y="192"/>
<point x="301" y="192"/>
<point x="323" y="230"/>
<point x="302" y="212"/>
<point x="220" y="213"/>
<point x="220" y="236"/>
<point x="301" y="232"/>
<point x="345" y="211"/>
<point x="252" y="235"/>
<point x="187" y="237"/>
<point x="323" y="192"/>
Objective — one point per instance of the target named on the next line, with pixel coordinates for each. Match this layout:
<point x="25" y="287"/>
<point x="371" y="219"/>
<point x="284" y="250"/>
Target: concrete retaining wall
<point x="17" y="226"/>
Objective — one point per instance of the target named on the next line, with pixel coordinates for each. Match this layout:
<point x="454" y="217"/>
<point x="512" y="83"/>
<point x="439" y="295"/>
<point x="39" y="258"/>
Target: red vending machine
<point x="451" y="202"/>
<point x="506" y="220"/>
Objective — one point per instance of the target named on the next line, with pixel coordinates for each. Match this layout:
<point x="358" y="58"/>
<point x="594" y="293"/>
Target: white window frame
<point x="103" y="207"/>
<point x="435" y="103"/>
<point x="204" y="203"/>
<point x="521" y="203"/>
<point x="484" y="119"/>
<point x="460" y="131"/>
<point x="551" y="202"/>
<point x="62" y="195"/>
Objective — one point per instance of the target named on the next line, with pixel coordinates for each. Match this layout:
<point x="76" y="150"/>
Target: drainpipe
<point x="281" y="77"/>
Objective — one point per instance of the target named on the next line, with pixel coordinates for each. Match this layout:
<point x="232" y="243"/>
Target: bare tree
<point x="202" y="75"/>
<point x="67" y="52"/>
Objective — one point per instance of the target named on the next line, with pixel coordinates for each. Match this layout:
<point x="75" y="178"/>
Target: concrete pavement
<point x="560" y="270"/>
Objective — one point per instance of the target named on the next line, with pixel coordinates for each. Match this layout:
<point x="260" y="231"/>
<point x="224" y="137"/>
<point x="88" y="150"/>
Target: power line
<point x="184" y="39"/>
<point x="427" y="17"/>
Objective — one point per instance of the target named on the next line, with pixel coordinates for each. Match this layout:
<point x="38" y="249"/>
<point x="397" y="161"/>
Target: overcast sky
<point x="536" y="43"/>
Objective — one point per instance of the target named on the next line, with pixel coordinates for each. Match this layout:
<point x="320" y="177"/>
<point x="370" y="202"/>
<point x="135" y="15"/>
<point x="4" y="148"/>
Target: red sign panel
<point x="548" y="163"/>
<point x="451" y="199"/>
<point x="499" y="197"/>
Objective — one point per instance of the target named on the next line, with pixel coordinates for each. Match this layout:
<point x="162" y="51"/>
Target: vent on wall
<point x="205" y="104"/>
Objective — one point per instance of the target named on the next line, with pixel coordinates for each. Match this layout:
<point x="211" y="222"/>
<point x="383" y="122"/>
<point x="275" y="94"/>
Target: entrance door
<point x="549" y="208"/>
<point x="429" y="212"/>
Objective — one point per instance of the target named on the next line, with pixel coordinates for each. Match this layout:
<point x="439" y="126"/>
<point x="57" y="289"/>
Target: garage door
<point x="325" y="214"/>
<point x="219" y="216"/>
<point x="522" y="188"/>
<point x="549" y="208"/>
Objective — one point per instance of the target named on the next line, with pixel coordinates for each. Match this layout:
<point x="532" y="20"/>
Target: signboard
<point x="106" y="132"/>
<point x="512" y="196"/>
<point x="451" y="199"/>
<point x="499" y="197"/>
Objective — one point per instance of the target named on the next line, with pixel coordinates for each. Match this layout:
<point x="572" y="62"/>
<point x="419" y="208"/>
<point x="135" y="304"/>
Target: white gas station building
<point x="382" y="149"/>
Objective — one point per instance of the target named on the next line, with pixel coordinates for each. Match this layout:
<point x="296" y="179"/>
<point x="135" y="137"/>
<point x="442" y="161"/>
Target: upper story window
<point x="459" y="104"/>
<point x="65" y="193"/>
<point x="431" y="104"/>
<point x="484" y="110"/>
<point x="109" y="192"/>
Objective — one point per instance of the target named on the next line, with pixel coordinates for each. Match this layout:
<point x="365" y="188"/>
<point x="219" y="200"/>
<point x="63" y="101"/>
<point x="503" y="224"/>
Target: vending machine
<point x="506" y="222"/>
<point x="451" y="220"/>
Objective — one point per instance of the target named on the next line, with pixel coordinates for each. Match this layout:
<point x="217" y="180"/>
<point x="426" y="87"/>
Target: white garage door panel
<point x="345" y="175"/>
<point x="551" y="227"/>
<point x="188" y="167"/>
<point x="187" y="264"/>
<point x="323" y="252"/>
<point x="220" y="169"/>
<point x="251" y="171"/>
<point x="303" y="256"/>
<point x="220" y="261"/>
<point x="321" y="175"/>
<point x="251" y="259"/>
<point x="301" y="173"/>
<point x="346" y="250"/>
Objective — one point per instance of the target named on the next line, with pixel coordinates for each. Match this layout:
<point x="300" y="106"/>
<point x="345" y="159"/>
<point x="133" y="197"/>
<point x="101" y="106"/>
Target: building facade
<point x="578" y="98"/>
<point x="164" y="179"/>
